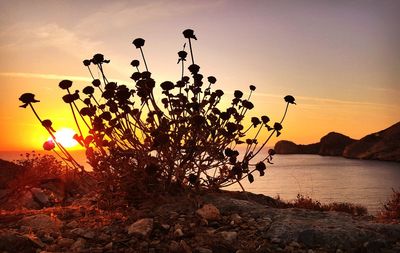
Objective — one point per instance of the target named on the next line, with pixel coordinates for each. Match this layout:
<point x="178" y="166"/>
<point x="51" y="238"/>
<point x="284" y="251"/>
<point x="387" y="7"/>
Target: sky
<point x="339" y="59"/>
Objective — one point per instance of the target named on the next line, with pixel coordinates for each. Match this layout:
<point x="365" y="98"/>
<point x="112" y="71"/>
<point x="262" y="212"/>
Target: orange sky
<point x="339" y="59"/>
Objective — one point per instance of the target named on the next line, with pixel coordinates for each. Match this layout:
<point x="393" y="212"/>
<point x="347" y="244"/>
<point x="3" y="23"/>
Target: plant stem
<point x="144" y="60"/>
<point x="191" y="51"/>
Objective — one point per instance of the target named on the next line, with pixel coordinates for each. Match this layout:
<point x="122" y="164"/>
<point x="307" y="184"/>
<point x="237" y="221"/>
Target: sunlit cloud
<point x="318" y="100"/>
<point x="51" y="76"/>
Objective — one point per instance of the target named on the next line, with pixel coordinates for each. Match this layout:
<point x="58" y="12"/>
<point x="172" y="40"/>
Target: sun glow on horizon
<point x="65" y="136"/>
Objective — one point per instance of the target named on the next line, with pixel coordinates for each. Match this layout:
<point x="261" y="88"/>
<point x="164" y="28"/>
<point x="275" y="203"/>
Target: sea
<point x="323" y="178"/>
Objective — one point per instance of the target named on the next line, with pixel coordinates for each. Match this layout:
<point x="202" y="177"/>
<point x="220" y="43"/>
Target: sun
<point x="65" y="136"/>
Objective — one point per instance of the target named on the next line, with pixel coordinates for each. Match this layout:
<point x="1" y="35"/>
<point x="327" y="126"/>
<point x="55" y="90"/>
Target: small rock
<point x="104" y="237"/>
<point x="310" y="238"/>
<point x="289" y="249"/>
<point x="295" y="244"/>
<point x="89" y="235"/>
<point x="230" y="237"/>
<point x="26" y="200"/>
<point x="109" y="246"/>
<point x="78" y="244"/>
<point x="184" y="247"/>
<point x="173" y="246"/>
<point x="209" y="212"/>
<point x="165" y="226"/>
<point x="374" y="246"/>
<point x="65" y="242"/>
<point x="202" y="250"/>
<point x="203" y="222"/>
<point x="40" y="196"/>
<point x="236" y="218"/>
<point x="72" y="224"/>
<point x="178" y="232"/>
<point x="42" y="222"/>
<point x="142" y="227"/>
<point x="78" y="231"/>
<point x="276" y="240"/>
<point x="310" y="251"/>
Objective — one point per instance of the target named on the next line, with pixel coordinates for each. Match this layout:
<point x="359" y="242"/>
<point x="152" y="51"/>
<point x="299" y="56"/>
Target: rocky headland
<point x="383" y="145"/>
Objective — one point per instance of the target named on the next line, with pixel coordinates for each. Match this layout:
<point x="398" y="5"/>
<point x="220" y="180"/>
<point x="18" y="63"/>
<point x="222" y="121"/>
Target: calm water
<point x="329" y="179"/>
<point x="326" y="179"/>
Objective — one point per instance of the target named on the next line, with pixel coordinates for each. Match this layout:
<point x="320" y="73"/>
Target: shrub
<point x="35" y="169"/>
<point x="307" y="202"/>
<point x="391" y="209"/>
<point x="49" y="174"/>
<point x="138" y="144"/>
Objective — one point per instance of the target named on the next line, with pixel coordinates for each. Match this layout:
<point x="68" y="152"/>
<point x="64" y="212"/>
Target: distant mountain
<point x="383" y="145"/>
<point x="333" y="144"/>
<point x="288" y="147"/>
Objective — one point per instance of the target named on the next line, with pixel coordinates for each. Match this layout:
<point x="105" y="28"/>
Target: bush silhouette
<point x="138" y="144"/>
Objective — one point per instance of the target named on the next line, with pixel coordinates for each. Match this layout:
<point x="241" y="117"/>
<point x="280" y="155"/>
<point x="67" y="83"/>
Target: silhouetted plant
<point x="139" y="144"/>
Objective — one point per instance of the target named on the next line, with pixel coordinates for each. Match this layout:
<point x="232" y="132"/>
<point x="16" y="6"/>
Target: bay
<point x="328" y="179"/>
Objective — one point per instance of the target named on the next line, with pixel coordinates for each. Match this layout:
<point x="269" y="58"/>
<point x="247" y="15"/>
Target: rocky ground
<point x="212" y="222"/>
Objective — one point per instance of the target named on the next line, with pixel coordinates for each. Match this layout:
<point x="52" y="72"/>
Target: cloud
<point x="51" y="76"/>
<point x="315" y="101"/>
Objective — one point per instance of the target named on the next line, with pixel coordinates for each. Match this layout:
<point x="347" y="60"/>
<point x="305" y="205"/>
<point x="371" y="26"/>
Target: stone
<point x="178" y="233"/>
<point x="72" y="224"/>
<point x="78" y="244"/>
<point x="26" y="200"/>
<point x="40" y="196"/>
<point x="374" y="246"/>
<point x="65" y="242"/>
<point x="142" y="227"/>
<point x="228" y="236"/>
<point x="295" y="244"/>
<point x="202" y="250"/>
<point x="165" y="226"/>
<point x="109" y="246"/>
<point x="276" y="240"/>
<point x="173" y="247"/>
<point x="89" y="235"/>
<point x="184" y="247"/>
<point x="14" y="242"/>
<point x="310" y="238"/>
<point x="42" y="222"/>
<point x="209" y="212"/>
<point x="78" y="231"/>
<point x="236" y="218"/>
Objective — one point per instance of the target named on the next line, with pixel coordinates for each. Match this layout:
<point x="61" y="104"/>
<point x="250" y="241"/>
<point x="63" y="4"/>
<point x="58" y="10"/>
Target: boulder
<point x="13" y="242"/>
<point x="42" y="222"/>
<point x="209" y="212"/>
<point x="40" y="196"/>
<point x="142" y="227"/>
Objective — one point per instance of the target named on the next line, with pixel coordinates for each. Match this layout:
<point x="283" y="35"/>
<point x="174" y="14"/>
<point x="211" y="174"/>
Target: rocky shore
<point x="211" y="222"/>
<point x="383" y="145"/>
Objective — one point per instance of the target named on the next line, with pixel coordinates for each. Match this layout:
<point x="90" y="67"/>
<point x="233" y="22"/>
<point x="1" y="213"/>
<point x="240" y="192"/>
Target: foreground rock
<point x="239" y="223"/>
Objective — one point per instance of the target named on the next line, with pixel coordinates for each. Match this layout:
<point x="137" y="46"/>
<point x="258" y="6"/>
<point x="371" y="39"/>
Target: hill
<point x="383" y="145"/>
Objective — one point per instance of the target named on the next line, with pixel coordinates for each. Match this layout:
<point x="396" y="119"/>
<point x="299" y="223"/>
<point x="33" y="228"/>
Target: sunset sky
<point x="340" y="59"/>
